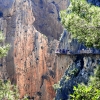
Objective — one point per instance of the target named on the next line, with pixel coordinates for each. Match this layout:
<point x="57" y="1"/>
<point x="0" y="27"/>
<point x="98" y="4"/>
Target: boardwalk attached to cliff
<point x="78" y="52"/>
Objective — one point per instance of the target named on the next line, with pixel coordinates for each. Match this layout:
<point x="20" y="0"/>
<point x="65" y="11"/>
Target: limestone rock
<point x="31" y="61"/>
<point x="94" y="2"/>
<point x="5" y="4"/>
<point x="47" y="17"/>
<point x="78" y="72"/>
<point x="81" y="66"/>
<point x="32" y="28"/>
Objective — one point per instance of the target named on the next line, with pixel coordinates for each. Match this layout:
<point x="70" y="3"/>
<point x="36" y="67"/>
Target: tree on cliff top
<point x="82" y="20"/>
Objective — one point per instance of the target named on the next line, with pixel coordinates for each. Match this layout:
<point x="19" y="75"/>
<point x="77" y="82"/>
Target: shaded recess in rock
<point x="81" y="67"/>
<point x="47" y="18"/>
<point x="1" y="14"/>
<point x="52" y="73"/>
<point x="5" y="4"/>
<point x="39" y="93"/>
<point x="78" y="72"/>
<point x="94" y="2"/>
<point x="29" y="46"/>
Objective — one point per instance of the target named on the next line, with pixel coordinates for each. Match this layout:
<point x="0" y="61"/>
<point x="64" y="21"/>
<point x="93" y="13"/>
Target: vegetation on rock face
<point x="90" y="91"/>
<point x="56" y="86"/>
<point x="7" y="90"/>
<point x="82" y="20"/>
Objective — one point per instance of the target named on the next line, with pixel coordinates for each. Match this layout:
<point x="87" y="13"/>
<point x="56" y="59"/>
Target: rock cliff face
<point x="81" y="66"/>
<point x="3" y="71"/>
<point x="32" y="28"/>
<point x="5" y="4"/>
<point x="94" y="2"/>
<point x="79" y="69"/>
<point x="47" y="17"/>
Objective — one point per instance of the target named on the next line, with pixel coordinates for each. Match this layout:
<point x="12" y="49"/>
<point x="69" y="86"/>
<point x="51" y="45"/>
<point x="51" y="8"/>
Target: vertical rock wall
<point x="3" y="70"/>
<point x="32" y="28"/>
<point x="47" y="17"/>
<point x="31" y="56"/>
<point x="31" y="61"/>
<point x="80" y="68"/>
<point x="34" y="57"/>
<point x="5" y="4"/>
<point x="79" y="71"/>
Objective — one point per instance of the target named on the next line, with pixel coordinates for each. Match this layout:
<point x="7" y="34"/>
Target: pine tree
<point x="82" y="20"/>
<point x="7" y="90"/>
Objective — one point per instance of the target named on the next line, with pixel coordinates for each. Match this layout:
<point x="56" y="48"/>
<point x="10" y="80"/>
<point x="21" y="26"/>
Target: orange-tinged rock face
<point x="32" y="55"/>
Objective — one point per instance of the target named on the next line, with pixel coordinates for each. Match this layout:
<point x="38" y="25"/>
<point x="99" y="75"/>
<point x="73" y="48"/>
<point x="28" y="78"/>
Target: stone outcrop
<point x="5" y="4"/>
<point x="81" y="66"/>
<point x="34" y="57"/>
<point x="47" y="17"/>
<point x="94" y="2"/>
<point x="32" y="28"/>
<point x="31" y="61"/>
<point x="3" y="71"/>
<point x="79" y="69"/>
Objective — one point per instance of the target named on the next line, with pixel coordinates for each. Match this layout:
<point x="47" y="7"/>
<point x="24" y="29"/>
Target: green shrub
<point x="83" y="92"/>
<point x="90" y="91"/>
<point x="8" y="91"/>
<point x="82" y="20"/>
<point x="3" y="49"/>
<point x="73" y="72"/>
<point x="56" y="86"/>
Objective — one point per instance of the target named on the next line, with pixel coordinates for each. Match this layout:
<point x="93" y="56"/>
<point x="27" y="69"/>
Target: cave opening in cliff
<point x="30" y="98"/>
<point x="1" y="14"/>
<point x="80" y="58"/>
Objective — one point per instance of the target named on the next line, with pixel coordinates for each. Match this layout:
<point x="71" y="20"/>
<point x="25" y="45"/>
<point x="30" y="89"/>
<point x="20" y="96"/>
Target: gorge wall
<point x="79" y="69"/>
<point x="81" y="66"/>
<point x="5" y="4"/>
<point x="32" y="28"/>
<point x="94" y="2"/>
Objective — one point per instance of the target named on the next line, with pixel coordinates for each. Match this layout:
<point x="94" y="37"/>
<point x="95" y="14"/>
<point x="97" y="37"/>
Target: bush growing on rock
<point x="82" y="20"/>
<point x="7" y="90"/>
<point x="90" y="91"/>
<point x="3" y="49"/>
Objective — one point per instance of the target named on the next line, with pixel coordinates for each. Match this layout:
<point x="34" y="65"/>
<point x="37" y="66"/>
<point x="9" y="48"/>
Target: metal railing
<point x="82" y="51"/>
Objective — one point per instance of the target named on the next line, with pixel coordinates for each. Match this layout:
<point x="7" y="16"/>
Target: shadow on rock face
<point x="47" y="18"/>
<point x="5" y="4"/>
<point x="94" y="2"/>
<point x="78" y="72"/>
<point x="1" y="14"/>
